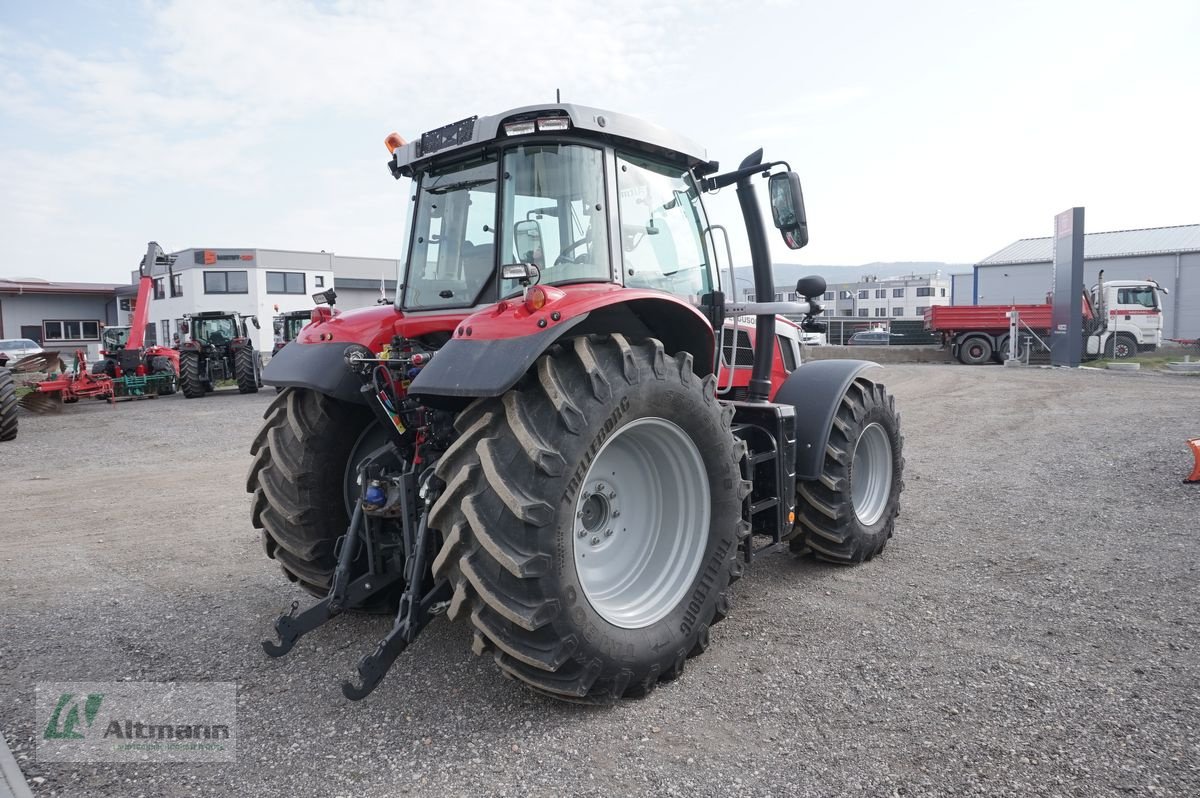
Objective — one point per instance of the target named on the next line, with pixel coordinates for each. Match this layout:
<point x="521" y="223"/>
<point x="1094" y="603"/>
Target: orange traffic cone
<point x="1195" y="475"/>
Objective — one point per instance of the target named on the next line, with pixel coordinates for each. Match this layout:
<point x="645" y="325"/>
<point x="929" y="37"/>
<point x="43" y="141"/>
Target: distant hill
<point x="789" y="273"/>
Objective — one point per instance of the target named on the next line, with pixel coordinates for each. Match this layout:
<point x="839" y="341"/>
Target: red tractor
<point x="540" y="438"/>
<point x="137" y="369"/>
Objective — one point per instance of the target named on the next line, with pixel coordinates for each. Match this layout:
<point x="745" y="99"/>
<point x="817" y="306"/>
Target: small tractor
<point x="288" y="325"/>
<point x="217" y="348"/>
<point x="138" y="370"/>
<point x="542" y="436"/>
<point x="8" y="402"/>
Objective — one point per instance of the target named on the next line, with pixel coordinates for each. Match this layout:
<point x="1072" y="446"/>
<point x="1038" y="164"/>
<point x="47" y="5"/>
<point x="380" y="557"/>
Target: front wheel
<point x="1121" y="347"/>
<point x="592" y="517"/>
<point x="849" y="513"/>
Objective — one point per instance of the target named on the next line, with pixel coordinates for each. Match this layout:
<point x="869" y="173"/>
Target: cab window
<point x="660" y="213"/>
<point x="1142" y="295"/>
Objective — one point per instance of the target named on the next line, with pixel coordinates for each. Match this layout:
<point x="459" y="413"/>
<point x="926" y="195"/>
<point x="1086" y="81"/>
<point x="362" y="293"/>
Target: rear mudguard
<point x="321" y="367"/>
<point x="815" y="390"/>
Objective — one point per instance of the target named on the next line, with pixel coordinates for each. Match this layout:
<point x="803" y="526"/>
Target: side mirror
<point x="810" y="286"/>
<point x="787" y="208"/>
<point x="527" y="234"/>
<point x="254" y="321"/>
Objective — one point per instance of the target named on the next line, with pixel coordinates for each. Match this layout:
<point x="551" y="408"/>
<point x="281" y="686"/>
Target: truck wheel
<point x="307" y="438"/>
<point x="975" y="351"/>
<point x="8" y="406"/>
<point x="244" y="370"/>
<point x="591" y="519"/>
<point x="162" y="366"/>
<point x="189" y="375"/>
<point x="848" y="514"/>
<point x="1121" y="347"/>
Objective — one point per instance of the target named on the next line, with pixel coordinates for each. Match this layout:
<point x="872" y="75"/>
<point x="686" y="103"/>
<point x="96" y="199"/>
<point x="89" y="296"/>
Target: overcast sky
<point x="933" y="131"/>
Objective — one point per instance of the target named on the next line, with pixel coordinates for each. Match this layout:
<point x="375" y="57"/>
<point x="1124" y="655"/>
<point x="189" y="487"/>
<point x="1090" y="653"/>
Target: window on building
<point x="749" y="296"/>
<point x="881" y="293"/>
<point x="165" y="324"/>
<point x="864" y="312"/>
<point x="158" y="288"/>
<point x="793" y="296"/>
<point x="828" y="296"/>
<point x="779" y="297"/>
<point x="925" y="290"/>
<point x="847" y="312"/>
<point x="176" y="285"/>
<point x="864" y="294"/>
<point x="897" y="292"/>
<point x="285" y="283"/>
<point x="319" y="281"/>
<point x="897" y="311"/>
<point x="226" y="283"/>
<point x="70" y="330"/>
<point x="880" y="311"/>
<point x="943" y="290"/>
<point x="845" y="295"/>
<point x="150" y="338"/>
<point x="921" y="310"/>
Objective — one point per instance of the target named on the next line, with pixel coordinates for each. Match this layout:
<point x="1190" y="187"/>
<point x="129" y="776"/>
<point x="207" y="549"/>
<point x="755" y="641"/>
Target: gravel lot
<point x="1032" y="630"/>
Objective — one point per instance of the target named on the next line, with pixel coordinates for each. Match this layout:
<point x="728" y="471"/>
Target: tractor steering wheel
<point x="565" y="256"/>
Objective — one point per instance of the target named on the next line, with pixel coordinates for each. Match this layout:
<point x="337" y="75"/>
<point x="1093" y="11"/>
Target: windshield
<point x="1143" y="295"/>
<point x="453" y="247"/>
<point x="292" y="326"/>
<point x="554" y="213"/>
<point x="214" y="331"/>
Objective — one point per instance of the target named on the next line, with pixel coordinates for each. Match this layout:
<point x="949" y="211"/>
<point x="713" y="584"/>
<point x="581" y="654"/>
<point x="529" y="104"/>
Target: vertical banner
<point x="1066" y="317"/>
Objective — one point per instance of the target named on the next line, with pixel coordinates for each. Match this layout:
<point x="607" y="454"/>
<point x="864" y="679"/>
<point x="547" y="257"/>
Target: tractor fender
<point x="320" y="366"/>
<point x="481" y="365"/>
<point x="815" y="390"/>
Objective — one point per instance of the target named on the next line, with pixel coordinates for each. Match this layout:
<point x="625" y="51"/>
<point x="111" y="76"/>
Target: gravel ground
<point x="1032" y="630"/>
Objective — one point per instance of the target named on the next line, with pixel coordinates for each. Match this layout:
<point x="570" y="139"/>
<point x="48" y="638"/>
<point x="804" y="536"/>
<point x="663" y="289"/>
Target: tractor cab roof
<point x="534" y="121"/>
<point x="211" y="314"/>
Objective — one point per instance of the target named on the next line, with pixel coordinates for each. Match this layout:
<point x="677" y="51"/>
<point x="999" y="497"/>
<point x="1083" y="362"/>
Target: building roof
<point x="1115" y="244"/>
<point x="31" y="285"/>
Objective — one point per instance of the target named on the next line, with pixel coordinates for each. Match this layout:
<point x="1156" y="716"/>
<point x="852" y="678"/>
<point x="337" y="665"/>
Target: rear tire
<point x="975" y="351"/>
<point x="8" y="406"/>
<point x="245" y="370"/>
<point x="189" y="375"/>
<point x="300" y="455"/>
<point x="849" y="513"/>
<point x="518" y="501"/>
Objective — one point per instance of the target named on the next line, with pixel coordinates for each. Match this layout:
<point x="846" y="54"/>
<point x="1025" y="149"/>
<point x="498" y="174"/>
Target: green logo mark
<point x="62" y="727"/>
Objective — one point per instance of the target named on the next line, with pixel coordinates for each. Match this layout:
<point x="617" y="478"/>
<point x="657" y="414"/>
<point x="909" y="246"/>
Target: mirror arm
<point x="729" y="178"/>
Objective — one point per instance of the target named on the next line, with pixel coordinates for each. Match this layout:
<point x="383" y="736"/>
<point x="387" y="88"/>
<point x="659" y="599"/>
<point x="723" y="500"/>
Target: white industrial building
<point x="880" y="298"/>
<point x="256" y="282"/>
<point x="1023" y="272"/>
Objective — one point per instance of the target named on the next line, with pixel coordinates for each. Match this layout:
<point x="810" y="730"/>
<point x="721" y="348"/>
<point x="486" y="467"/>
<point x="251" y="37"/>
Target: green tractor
<point x="218" y="348"/>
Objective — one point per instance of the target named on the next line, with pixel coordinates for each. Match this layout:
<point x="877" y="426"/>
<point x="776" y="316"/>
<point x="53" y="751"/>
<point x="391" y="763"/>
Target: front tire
<point x="849" y="513"/>
<point x="189" y="375"/>
<point x="1121" y="347"/>
<point x="595" y="453"/>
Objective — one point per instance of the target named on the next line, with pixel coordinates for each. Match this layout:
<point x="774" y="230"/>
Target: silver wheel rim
<point x="641" y="523"/>
<point x="871" y="474"/>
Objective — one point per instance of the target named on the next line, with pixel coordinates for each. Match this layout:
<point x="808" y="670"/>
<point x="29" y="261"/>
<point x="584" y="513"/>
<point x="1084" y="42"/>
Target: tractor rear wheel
<point x="189" y="375"/>
<point x="245" y="370"/>
<point x="309" y="440"/>
<point x="591" y="519"/>
<point x="8" y="406"/>
<point x="849" y="513"/>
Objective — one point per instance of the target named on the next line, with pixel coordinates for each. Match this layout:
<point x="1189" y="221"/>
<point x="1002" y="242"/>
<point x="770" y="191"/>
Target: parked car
<point x="870" y="338"/>
<point x="17" y="348"/>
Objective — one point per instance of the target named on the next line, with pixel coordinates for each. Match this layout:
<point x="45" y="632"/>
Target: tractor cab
<point x="113" y="339"/>
<point x="286" y="326"/>
<point x="215" y="330"/>
<point x="217" y="347"/>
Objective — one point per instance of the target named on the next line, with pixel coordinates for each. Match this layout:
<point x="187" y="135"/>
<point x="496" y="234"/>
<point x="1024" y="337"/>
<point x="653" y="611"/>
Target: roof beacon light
<point x="393" y="142"/>
<point x="554" y="123"/>
<point x="519" y="128"/>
